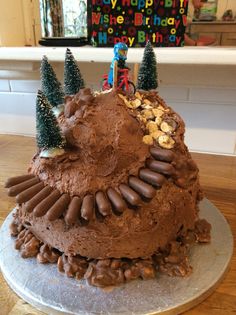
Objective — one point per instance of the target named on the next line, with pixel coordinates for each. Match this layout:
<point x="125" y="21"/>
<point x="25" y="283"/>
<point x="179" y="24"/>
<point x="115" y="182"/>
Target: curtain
<point x="52" y="18"/>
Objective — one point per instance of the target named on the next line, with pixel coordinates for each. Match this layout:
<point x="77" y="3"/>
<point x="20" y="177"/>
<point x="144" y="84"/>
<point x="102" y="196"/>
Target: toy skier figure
<point x="120" y="55"/>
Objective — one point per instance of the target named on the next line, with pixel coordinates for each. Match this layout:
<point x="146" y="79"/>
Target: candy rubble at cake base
<point x="173" y="260"/>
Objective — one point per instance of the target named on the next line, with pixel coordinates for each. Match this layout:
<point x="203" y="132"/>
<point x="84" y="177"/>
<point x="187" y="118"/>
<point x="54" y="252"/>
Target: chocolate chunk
<point x="47" y="255"/>
<point x="176" y="263"/>
<point x="87" y="208"/>
<point x="115" y="264"/>
<point x="68" y="98"/>
<point x="104" y="206"/>
<point x="73" y="211"/>
<point x="22" y="236"/>
<point x="16" y="189"/>
<point x="172" y="123"/>
<point x="147" y="272"/>
<point x="202" y="231"/>
<point x="70" y="109"/>
<point x="186" y="171"/>
<point x="17" y="180"/>
<point x="42" y="208"/>
<point x="162" y="167"/>
<point x="151" y="177"/>
<point x="140" y="268"/>
<point x="132" y="273"/>
<point x="60" y="264"/>
<point x="58" y="208"/>
<point x="116" y="200"/>
<point x="86" y="95"/>
<point x="162" y="154"/>
<point x="15" y="227"/>
<point x="29" y="193"/>
<point x="29" y="206"/>
<point x="141" y="187"/>
<point x="72" y="266"/>
<point x="101" y="274"/>
<point x="130" y="195"/>
<point x="27" y="243"/>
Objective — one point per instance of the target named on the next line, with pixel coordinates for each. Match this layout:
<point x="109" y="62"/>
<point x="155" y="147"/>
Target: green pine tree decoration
<point x="51" y="87"/>
<point x="147" y="75"/>
<point x="49" y="138"/>
<point x="73" y="80"/>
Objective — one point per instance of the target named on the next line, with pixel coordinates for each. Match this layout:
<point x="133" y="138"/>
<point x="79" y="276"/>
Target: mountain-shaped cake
<point x="112" y="193"/>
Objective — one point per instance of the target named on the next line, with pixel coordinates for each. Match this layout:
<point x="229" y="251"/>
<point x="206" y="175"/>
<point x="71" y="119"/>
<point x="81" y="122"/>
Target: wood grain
<point x="218" y="179"/>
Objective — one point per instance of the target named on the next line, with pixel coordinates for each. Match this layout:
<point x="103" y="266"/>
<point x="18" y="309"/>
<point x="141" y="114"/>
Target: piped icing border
<point x="160" y="128"/>
<point x="44" y="200"/>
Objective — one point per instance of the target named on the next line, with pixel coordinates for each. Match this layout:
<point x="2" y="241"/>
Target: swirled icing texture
<point x="105" y="147"/>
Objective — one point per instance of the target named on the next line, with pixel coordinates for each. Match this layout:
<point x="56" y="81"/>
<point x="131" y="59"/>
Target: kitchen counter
<point x="224" y="32"/>
<point x="180" y="56"/>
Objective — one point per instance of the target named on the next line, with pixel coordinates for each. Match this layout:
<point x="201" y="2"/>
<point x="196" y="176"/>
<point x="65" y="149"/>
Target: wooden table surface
<point x="218" y="179"/>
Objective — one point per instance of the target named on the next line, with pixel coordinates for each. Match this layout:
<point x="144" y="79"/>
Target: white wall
<point x="19" y="23"/>
<point x="12" y="30"/>
<point x="205" y="96"/>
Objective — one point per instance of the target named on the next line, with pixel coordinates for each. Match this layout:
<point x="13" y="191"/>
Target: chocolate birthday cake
<point x="118" y="199"/>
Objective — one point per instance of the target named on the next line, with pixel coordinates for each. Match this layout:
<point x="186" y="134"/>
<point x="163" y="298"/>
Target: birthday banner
<point x="137" y="21"/>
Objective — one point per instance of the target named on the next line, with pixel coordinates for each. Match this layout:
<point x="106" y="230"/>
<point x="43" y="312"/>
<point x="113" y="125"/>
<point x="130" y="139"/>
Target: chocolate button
<point x="116" y="200"/>
<point x="73" y="211"/>
<point x="17" y="180"/>
<point x="151" y="177"/>
<point x="58" y="208"/>
<point x="87" y="208"/>
<point x="29" y="193"/>
<point x="162" y="167"/>
<point x="32" y="203"/>
<point x="15" y="190"/>
<point x="130" y="195"/>
<point x="104" y="206"/>
<point x="141" y="187"/>
<point x="42" y="208"/>
<point x="162" y="154"/>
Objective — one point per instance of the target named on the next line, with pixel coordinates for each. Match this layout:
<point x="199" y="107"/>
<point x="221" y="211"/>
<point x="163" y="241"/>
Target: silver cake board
<point x="54" y="293"/>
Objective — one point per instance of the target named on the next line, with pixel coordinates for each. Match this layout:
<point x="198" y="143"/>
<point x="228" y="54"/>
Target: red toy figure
<point x="118" y="62"/>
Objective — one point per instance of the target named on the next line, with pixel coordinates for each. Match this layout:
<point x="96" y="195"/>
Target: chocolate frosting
<point x="110" y="195"/>
<point x="105" y="147"/>
<point x="135" y="233"/>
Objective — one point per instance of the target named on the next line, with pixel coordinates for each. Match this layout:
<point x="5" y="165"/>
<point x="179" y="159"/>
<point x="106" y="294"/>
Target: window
<point x="63" y="18"/>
